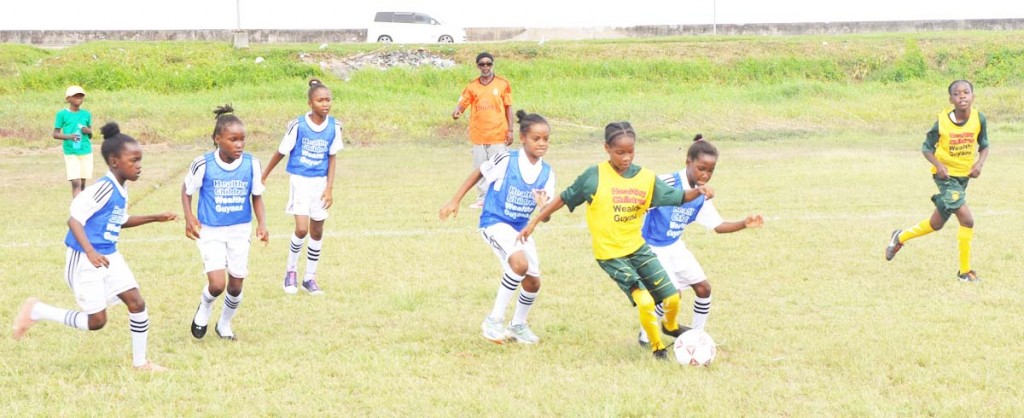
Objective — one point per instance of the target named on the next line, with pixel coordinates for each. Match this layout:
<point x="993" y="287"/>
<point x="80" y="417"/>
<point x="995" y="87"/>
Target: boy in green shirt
<point x="74" y="127"/>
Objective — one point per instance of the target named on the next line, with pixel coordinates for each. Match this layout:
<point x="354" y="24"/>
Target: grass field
<point x="811" y="319"/>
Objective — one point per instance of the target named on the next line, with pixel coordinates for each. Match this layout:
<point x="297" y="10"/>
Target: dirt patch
<point x="342" y="67"/>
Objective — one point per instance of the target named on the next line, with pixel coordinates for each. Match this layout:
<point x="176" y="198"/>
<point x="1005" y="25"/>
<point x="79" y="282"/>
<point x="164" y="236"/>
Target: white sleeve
<point x="257" y="178"/>
<point x="669" y="179"/>
<point x="495" y="168"/>
<point x="288" y="142"/>
<point x="708" y="216"/>
<point x="338" y="143"/>
<point x="91" y="200"/>
<point x="194" y="176"/>
<point x="549" y="187"/>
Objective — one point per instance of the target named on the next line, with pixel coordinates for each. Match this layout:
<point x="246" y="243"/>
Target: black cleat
<point x="661" y="354"/>
<point x="216" y="328"/>
<point x="970" y="277"/>
<point x="675" y="333"/>
<point x="198" y="331"/>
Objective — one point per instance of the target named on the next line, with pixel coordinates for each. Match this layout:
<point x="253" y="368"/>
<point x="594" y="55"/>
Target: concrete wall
<point x="818" y="28"/>
<point x="62" y="38"/>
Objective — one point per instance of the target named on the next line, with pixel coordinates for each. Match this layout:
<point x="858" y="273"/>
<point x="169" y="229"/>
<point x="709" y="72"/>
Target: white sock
<point x="526" y="300"/>
<point x="205" y="307"/>
<point x="230" y="306"/>
<point x="701" y="310"/>
<point x="312" y="257"/>
<point x="73" y="319"/>
<point x="293" y="252"/>
<point x="509" y="283"/>
<point x="138" y="323"/>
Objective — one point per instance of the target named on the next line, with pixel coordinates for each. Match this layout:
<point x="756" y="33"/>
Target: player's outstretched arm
<point x="751" y="221"/>
<point x="544" y="215"/>
<point x="192" y="225"/>
<point x="452" y="207"/>
<point x="134" y="221"/>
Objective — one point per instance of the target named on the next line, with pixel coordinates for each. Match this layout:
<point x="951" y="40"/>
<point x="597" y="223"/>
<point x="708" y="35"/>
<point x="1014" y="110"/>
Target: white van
<point x="412" y="28"/>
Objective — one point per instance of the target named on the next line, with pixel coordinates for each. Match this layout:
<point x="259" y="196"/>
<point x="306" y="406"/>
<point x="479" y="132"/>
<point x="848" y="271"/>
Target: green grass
<point x="735" y="87"/>
<point x="812" y="320"/>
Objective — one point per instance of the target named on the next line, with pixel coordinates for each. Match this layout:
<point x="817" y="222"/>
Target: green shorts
<point x="952" y="195"/>
<point x="639" y="270"/>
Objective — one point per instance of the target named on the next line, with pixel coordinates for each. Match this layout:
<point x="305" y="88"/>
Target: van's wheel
<point x="384" y="39"/>
<point x="446" y="39"/>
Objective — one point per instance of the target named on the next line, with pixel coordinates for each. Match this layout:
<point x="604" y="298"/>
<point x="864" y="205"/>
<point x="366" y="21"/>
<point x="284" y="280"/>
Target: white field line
<point x="403" y="233"/>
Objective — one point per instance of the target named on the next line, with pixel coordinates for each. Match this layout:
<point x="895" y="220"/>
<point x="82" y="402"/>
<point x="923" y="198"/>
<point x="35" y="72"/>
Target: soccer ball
<point x="695" y="348"/>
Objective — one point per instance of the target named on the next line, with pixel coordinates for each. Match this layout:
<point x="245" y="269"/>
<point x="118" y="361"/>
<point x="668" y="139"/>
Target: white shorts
<point x="78" y="166"/>
<point x="502" y="239"/>
<point x="225" y="247"/>
<point x="95" y="288"/>
<point x="680" y="264"/>
<point x="304" y="197"/>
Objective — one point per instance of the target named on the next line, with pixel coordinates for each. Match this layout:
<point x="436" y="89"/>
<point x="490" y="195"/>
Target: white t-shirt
<point x="494" y="170"/>
<point x="92" y="199"/>
<point x="288" y="142"/>
<point x="197" y="171"/>
<point x="707" y="215"/>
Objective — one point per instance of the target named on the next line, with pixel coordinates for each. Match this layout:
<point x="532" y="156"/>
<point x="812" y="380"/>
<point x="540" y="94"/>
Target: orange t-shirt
<point x="488" y="123"/>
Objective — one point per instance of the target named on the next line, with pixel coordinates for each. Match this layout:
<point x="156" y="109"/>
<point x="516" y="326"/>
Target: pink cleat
<point x="24" y="320"/>
<point x="150" y="367"/>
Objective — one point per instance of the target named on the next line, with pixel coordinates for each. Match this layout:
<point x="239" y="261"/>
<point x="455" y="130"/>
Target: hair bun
<point x="223" y="110"/>
<point x="315" y="81"/>
<point x="699" y="137"/>
<point x="520" y="115"/>
<point x="110" y="130"/>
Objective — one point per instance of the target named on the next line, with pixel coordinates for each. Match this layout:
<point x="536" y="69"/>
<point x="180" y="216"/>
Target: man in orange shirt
<point x="490" y="122"/>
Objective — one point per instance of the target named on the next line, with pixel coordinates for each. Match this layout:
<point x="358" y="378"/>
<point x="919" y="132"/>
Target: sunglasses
<point x="485" y="64"/>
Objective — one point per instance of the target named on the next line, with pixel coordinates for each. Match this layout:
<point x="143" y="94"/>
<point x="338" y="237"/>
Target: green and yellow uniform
<point x="956" y="146"/>
<point x="615" y="215"/>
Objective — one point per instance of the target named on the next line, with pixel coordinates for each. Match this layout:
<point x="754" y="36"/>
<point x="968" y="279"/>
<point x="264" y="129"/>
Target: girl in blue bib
<point x="518" y="182"/>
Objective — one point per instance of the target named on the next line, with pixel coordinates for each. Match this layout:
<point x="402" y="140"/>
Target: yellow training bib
<point x="616" y="213"/>
<point x="958" y="145"/>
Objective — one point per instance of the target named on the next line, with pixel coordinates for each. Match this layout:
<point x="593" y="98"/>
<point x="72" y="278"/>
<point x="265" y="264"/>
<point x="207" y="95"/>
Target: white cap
<point x="73" y="90"/>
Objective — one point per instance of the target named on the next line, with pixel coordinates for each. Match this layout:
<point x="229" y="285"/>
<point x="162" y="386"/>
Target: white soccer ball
<point x="695" y="348"/>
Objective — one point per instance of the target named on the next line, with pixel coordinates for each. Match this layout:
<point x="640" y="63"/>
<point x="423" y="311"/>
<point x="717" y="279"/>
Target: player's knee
<point x="531" y="284"/>
<point x="235" y="289"/>
<point x="518" y="264"/>
<point x="135" y="305"/>
<point x="702" y="289"/>
<point x="97" y="320"/>
<point x="301" y="232"/>
<point x="216" y="289"/>
<point x="643" y="299"/>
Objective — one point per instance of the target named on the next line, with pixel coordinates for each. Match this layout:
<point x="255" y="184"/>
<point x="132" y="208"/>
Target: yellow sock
<point x="671" y="305"/>
<point x="923" y="228"/>
<point x="648" y="320"/>
<point x="964" y="236"/>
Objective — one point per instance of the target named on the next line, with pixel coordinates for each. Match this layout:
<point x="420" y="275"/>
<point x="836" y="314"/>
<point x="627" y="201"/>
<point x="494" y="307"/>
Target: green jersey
<point x="583" y="189"/>
<point x="71" y="123"/>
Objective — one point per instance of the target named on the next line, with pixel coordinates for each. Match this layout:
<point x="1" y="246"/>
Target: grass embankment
<point x="744" y="88"/>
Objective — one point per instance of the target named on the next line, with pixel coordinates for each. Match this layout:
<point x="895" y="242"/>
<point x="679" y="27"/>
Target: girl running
<point x="229" y="194"/>
<point x="94" y="270"/>
<point x="663" y="230"/>
<point x="517" y="182"/>
<point x="310" y="143"/>
<point x="619" y="193"/>
<point x="957" y="147"/>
